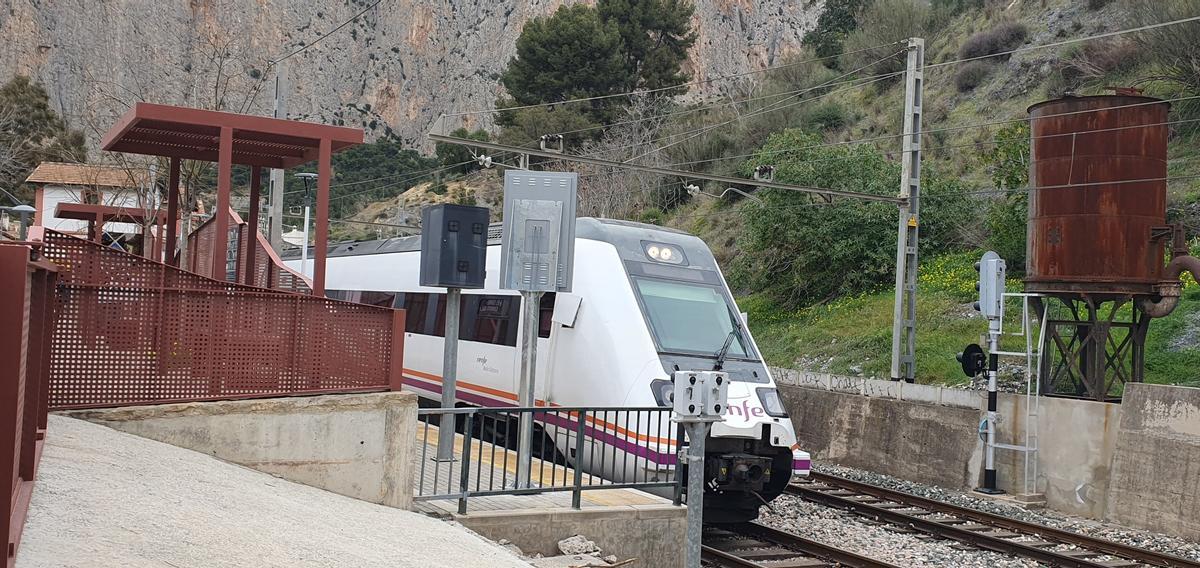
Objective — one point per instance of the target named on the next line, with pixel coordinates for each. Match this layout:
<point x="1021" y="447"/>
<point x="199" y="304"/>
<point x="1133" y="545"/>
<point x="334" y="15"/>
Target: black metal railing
<point x="574" y="449"/>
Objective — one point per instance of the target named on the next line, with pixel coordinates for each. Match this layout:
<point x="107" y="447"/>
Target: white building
<point x="58" y="182"/>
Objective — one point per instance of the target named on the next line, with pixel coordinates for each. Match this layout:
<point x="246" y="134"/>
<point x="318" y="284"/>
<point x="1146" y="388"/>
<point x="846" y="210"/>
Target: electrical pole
<point x="275" y="202"/>
<point x="904" y="317"/>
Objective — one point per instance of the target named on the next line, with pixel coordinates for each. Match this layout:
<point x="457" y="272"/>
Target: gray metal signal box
<point x="453" y="246"/>
<point x="538" y="247"/>
<point x="991" y="287"/>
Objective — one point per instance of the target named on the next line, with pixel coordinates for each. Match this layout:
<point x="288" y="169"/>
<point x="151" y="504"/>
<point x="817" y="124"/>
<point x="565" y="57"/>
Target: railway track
<point x="1054" y="547"/>
<point x="751" y="545"/>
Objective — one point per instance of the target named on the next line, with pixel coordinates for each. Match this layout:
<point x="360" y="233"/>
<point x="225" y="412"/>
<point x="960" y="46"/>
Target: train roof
<point x="606" y="230"/>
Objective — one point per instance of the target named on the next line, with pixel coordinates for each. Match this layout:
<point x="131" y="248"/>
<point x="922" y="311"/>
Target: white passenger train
<point x="646" y="301"/>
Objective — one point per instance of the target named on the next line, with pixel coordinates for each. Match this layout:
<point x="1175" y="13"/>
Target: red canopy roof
<point x="194" y="134"/>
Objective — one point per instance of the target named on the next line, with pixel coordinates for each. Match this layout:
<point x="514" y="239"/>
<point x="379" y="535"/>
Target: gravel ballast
<point x="105" y="498"/>
<point x="853" y="533"/>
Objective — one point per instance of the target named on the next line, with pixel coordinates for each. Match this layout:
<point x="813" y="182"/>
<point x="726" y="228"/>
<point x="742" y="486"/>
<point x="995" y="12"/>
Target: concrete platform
<point x="499" y="468"/>
<point x="106" y="498"/>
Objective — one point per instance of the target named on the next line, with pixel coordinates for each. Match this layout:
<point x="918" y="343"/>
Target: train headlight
<point x="772" y="403"/>
<point x="664" y="392"/>
<point x="659" y="252"/>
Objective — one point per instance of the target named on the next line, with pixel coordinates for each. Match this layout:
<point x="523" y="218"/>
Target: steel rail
<point x="802" y="546"/>
<point x="975" y="538"/>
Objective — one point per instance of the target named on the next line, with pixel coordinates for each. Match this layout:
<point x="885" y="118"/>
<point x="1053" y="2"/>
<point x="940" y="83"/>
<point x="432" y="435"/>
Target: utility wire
<point x="927" y="149"/>
<point x="769" y="108"/>
<point x="1065" y="42"/>
<point x="734" y="102"/>
<point x="326" y="34"/>
<point x="652" y="91"/>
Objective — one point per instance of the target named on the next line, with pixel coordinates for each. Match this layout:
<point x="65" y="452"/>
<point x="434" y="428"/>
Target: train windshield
<point x="691" y="318"/>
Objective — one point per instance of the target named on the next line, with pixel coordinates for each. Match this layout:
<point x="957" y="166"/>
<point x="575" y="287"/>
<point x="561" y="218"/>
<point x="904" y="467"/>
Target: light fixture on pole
<point x="307" y="177"/>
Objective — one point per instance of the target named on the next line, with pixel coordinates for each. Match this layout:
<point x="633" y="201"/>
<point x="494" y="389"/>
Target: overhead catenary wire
<point x="769" y="108"/>
<point x="658" y="170"/>
<point x="929" y="149"/>
<point x="931" y="131"/>
<point x="672" y="88"/>
<point x="728" y="103"/>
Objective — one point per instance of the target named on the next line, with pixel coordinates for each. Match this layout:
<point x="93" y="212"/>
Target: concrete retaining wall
<point x="1135" y="463"/>
<point x="1156" y="466"/>
<point x="918" y="441"/>
<point x="1076" y="440"/>
<point x="358" y="445"/>
<point x="653" y="534"/>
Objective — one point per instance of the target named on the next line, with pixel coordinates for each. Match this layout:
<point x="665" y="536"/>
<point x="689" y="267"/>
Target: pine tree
<point x="30" y="133"/>
<point x="656" y="35"/>
<point x="571" y="54"/>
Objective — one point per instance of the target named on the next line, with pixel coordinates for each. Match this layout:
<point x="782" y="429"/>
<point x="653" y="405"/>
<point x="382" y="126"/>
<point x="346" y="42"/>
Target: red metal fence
<point x="131" y="330"/>
<point x="263" y="268"/>
<point x="26" y="310"/>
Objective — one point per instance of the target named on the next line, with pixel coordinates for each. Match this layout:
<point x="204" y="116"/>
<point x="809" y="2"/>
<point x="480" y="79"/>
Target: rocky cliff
<point x="393" y="70"/>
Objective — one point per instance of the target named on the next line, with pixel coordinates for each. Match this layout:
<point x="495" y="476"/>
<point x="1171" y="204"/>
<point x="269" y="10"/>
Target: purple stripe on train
<point x="600" y="435"/>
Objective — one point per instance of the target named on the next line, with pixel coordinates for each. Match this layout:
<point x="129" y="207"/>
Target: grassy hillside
<point x="853" y="335"/>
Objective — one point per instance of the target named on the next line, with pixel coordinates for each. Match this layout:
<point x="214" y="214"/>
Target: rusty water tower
<point x="1098" y="238"/>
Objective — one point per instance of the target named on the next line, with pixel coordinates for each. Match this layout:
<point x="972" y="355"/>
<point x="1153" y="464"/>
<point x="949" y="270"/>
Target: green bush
<point x="798" y="250"/>
<point x="652" y="216"/>
<point x="838" y="18"/>
<point x="826" y="116"/>
<point x="1003" y="37"/>
<point x="971" y="75"/>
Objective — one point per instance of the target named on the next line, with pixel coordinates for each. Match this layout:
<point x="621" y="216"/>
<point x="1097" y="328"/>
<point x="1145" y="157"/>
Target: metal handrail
<point x="619" y="447"/>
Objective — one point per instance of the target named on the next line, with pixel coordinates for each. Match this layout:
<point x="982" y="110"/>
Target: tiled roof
<point x="59" y="173"/>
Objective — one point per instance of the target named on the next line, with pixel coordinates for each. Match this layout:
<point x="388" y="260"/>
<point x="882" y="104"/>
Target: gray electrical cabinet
<point x="538" y="247"/>
<point x="453" y="246"/>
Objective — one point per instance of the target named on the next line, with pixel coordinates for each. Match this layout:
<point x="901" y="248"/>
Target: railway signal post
<point x="699" y="399"/>
<point x="991" y="304"/>
<point x="537" y="254"/>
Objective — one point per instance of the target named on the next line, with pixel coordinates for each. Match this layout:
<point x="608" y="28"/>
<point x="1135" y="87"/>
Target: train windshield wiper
<point x="735" y="333"/>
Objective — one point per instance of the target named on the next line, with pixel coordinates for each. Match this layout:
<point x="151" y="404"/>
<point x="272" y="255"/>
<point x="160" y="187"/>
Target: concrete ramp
<point x="105" y="498"/>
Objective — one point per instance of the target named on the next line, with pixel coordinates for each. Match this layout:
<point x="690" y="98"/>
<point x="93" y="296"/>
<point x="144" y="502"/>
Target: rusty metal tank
<point x="1092" y="230"/>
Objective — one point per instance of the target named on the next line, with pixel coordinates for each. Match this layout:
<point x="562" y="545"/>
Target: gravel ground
<point x="1142" y="539"/>
<point x="106" y="498"/>
<point x="853" y="533"/>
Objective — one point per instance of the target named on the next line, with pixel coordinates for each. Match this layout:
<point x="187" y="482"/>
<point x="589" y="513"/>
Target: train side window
<point x="383" y="299"/>
<point x="415" y="306"/>
<point x="545" y="313"/>
<point x="437" y="326"/>
<point x="490" y="319"/>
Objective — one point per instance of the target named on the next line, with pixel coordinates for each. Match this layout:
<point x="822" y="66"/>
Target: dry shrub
<point x="971" y="75"/>
<point x="1003" y="37"/>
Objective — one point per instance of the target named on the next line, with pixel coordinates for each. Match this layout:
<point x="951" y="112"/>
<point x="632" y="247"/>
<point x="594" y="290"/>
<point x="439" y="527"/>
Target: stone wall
<point x="357" y="445"/>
